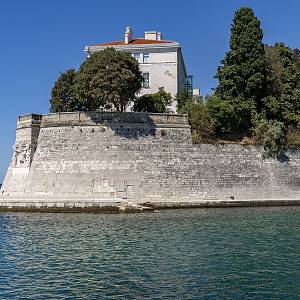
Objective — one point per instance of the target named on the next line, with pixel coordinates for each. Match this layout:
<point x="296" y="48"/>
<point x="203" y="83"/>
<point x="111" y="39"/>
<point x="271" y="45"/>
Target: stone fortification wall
<point x="89" y="158"/>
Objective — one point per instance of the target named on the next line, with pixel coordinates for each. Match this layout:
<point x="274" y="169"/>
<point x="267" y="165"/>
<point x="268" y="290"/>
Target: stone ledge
<point x="96" y="206"/>
<point x="224" y="203"/>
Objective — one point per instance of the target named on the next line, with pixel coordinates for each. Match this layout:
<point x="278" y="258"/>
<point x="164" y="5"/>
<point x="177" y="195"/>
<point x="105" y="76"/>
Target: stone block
<point x="121" y="194"/>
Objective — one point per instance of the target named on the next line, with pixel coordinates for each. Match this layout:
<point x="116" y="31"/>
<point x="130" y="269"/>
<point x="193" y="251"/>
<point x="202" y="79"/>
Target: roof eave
<point x="94" y="48"/>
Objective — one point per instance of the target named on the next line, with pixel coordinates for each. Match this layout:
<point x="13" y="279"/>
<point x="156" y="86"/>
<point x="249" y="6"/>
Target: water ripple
<point x="249" y="253"/>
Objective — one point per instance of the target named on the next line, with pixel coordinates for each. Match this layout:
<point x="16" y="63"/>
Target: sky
<point x="40" y="39"/>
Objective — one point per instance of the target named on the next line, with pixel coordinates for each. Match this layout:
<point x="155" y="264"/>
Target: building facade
<point x="161" y="61"/>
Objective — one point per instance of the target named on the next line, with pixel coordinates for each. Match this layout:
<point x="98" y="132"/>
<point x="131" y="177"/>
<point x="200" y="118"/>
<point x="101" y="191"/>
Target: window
<point x="136" y="56"/>
<point x="146" y="82"/>
<point x="188" y="84"/>
<point x="145" y="57"/>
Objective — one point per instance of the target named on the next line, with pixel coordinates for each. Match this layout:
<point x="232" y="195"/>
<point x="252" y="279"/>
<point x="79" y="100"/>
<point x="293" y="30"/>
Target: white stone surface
<point x="94" y="158"/>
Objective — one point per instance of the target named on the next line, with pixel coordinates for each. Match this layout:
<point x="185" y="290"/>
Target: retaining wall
<point x="97" y="158"/>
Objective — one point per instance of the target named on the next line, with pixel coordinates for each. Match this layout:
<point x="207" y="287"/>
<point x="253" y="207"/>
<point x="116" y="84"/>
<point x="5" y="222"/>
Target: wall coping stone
<point x="93" y="118"/>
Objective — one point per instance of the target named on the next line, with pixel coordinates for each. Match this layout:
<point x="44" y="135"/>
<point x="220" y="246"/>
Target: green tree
<point x="63" y="97"/>
<point x="283" y="103"/>
<point x="155" y="103"/>
<point x="276" y="70"/>
<point x="202" y="123"/>
<point x="243" y="73"/>
<point x="183" y="99"/>
<point x="223" y="113"/>
<point x="297" y="60"/>
<point x="108" y="79"/>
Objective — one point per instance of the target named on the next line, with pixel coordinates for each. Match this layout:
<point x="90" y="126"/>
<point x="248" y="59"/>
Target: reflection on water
<point x="247" y="253"/>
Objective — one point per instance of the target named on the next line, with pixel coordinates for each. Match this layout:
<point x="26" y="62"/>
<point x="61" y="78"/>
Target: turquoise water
<point x="247" y="253"/>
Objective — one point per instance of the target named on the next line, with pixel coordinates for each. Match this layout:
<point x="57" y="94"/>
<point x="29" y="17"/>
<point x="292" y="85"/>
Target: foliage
<point x="273" y="135"/>
<point x="276" y="69"/>
<point x="183" y="99"/>
<point x="258" y="86"/>
<point x="155" y="103"/>
<point x="202" y="124"/>
<point x="283" y="103"/>
<point x="243" y="73"/>
<point x="108" y="79"/>
<point x="297" y="60"/>
<point x="63" y="97"/>
<point x="293" y="136"/>
<point x="222" y="113"/>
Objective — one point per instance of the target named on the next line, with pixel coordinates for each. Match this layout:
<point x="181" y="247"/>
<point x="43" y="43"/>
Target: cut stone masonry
<point x="92" y="158"/>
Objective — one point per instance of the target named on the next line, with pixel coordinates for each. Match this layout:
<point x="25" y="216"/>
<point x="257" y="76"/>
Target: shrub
<point x="273" y="136"/>
<point x="155" y="103"/>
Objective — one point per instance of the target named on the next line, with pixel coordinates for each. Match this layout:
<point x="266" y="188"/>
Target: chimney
<point x="153" y="35"/>
<point x="128" y="35"/>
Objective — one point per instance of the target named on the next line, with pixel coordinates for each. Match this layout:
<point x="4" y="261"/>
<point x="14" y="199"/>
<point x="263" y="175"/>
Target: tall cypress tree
<point x="243" y="73"/>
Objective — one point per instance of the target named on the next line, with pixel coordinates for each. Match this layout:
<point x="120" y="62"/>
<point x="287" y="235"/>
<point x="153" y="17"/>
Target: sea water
<point x="236" y="253"/>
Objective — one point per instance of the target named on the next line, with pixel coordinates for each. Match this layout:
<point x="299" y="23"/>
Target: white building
<point x="161" y="61"/>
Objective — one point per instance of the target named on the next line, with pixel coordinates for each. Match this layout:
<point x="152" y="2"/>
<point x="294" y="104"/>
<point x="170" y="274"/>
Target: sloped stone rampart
<point x="85" y="159"/>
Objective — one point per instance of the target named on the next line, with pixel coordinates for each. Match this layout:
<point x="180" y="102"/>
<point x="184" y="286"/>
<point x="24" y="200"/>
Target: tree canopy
<point x="63" y="96"/>
<point x="283" y="103"/>
<point x="258" y="93"/>
<point x="108" y="79"/>
<point x="243" y="73"/>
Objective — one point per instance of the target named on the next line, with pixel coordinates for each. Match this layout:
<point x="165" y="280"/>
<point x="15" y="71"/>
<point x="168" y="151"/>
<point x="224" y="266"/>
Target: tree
<point x="243" y="73"/>
<point x="108" y="79"/>
<point x="183" y="99"/>
<point x="155" y="103"/>
<point x="297" y="60"/>
<point x="202" y="124"/>
<point x="63" y="96"/>
<point x="276" y="69"/>
<point x="283" y="103"/>
<point x="223" y="114"/>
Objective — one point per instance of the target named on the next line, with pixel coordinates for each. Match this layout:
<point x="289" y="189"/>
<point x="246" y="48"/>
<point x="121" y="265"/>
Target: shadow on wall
<point x="283" y="158"/>
<point x="125" y="124"/>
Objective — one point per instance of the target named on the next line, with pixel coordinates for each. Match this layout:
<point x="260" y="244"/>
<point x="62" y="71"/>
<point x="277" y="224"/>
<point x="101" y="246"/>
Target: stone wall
<point x="98" y="157"/>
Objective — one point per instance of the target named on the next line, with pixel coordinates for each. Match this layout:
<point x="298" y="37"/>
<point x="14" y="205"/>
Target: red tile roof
<point x="134" y="42"/>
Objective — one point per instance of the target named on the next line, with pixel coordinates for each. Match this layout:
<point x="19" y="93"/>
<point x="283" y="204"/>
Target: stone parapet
<point x="94" y="118"/>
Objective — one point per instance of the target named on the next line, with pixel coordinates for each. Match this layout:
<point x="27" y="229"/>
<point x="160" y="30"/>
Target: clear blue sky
<point x="39" y="39"/>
